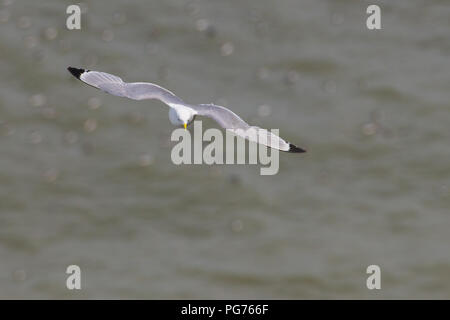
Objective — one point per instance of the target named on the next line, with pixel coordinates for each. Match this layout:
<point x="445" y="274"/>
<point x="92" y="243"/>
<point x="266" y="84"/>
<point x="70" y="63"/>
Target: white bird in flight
<point x="181" y="113"/>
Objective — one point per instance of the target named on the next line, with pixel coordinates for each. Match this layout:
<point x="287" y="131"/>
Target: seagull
<point x="181" y="113"/>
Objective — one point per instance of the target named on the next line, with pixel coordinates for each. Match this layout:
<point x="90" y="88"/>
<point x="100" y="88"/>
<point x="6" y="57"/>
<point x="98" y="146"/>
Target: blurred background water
<point x="86" y="178"/>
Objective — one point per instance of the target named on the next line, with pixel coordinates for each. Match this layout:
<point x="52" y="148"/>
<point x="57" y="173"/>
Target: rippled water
<point x="86" y="178"/>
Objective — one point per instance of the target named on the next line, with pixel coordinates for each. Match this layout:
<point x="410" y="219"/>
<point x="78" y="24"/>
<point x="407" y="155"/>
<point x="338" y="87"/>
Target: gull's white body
<point x="181" y="113"/>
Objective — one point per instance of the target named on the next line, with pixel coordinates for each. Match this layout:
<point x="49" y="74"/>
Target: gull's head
<point x="185" y="117"/>
<point x="181" y="116"/>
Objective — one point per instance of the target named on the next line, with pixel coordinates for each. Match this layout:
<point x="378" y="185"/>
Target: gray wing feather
<point x="136" y="90"/>
<point x="230" y="121"/>
<point x="146" y="90"/>
<point x="226" y="118"/>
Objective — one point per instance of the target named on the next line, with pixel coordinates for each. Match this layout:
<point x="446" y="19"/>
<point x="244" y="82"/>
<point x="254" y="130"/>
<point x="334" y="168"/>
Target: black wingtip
<point x="295" y="149"/>
<point x="75" y="72"/>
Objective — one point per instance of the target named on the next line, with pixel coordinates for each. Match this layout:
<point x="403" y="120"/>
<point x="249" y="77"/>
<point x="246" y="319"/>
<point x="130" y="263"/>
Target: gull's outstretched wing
<point x="115" y="86"/>
<point x="230" y="121"/>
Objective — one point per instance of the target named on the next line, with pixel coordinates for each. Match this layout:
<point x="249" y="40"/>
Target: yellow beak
<point x="185" y="126"/>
